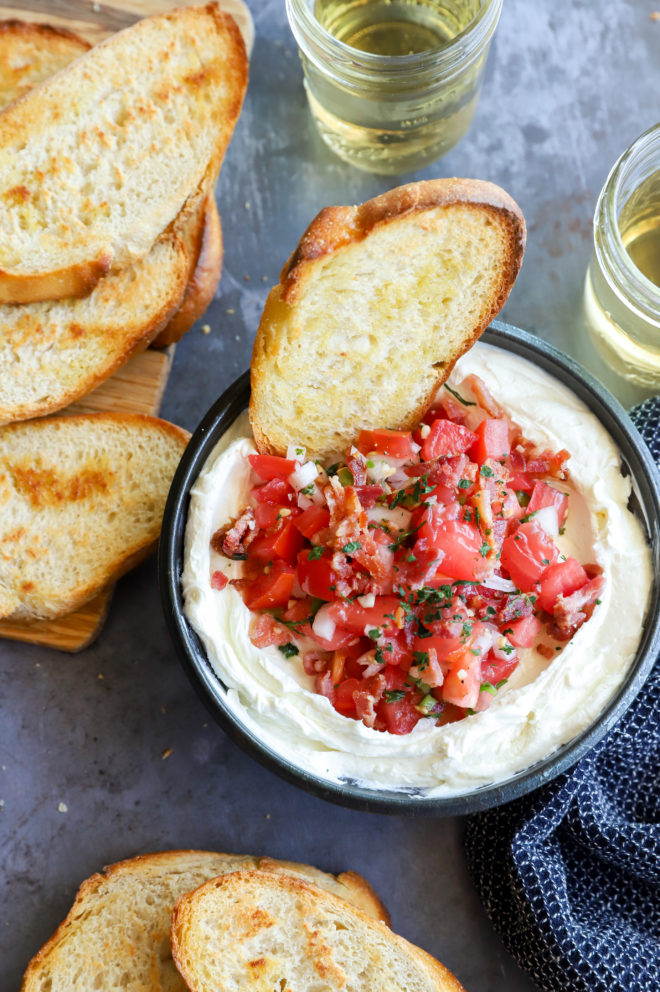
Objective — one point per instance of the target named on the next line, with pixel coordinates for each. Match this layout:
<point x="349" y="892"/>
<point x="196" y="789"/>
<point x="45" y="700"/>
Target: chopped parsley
<point x="315" y="552"/>
<point x="288" y="649"/>
<point x="486" y="470"/>
<point x="351" y="547"/>
<point x="464" y="483"/>
<point x="457" y="396"/>
<point x="374" y="633"/>
<point x="421" y="659"/>
<point x="394" y="695"/>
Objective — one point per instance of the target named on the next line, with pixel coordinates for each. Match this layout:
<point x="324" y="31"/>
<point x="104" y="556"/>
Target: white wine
<point x="393" y="84"/>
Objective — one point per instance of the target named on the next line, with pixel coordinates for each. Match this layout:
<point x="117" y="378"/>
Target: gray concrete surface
<point x="83" y="776"/>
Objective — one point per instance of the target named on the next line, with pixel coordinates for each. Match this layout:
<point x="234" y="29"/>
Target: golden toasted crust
<point x="203" y="281"/>
<point x="171" y="118"/>
<point x="81" y="502"/>
<point x="253" y="928"/>
<point x="375" y="307"/>
<point x="120" y="920"/>
<point x="335" y="227"/>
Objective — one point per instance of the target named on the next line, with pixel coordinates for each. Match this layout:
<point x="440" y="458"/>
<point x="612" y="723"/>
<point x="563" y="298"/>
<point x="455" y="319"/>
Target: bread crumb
<point x="100" y="675"/>
<point x="230" y="311"/>
<point x="62" y="808"/>
<point x="163" y="710"/>
<point x="206" y="328"/>
<point x="267" y="816"/>
<point x="264" y="278"/>
<point x="2" y="803"/>
<point x="247" y="278"/>
<point x="166" y="753"/>
<point x="247" y="204"/>
<point x="655" y="15"/>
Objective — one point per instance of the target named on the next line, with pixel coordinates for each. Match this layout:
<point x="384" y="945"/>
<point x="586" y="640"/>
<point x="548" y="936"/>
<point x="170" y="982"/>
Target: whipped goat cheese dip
<point x="545" y="703"/>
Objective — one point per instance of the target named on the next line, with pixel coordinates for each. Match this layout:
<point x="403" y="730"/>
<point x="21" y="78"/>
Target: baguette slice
<point x="258" y="930"/>
<point x="375" y="307"/>
<point x="117" y="934"/>
<point x="97" y="161"/>
<point x="81" y="502"/>
<point x="203" y="281"/>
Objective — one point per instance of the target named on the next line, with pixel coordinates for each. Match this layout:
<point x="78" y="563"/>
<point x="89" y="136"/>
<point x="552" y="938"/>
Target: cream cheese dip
<point x="545" y="704"/>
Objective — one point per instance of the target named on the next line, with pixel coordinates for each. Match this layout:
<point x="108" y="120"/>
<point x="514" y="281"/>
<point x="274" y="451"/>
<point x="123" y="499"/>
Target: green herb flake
<point x="308" y="490"/>
<point x="351" y="547"/>
<point x="421" y="659"/>
<point x="394" y="695"/>
<point x="333" y="469"/>
<point x="464" y="483"/>
<point x="486" y="470"/>
<point x="457" y="396"/>
<point x="288" y="649"/>
<point x="484" y="549"/>
<point x="314" y="552"/>
<point x="374" y="633"/>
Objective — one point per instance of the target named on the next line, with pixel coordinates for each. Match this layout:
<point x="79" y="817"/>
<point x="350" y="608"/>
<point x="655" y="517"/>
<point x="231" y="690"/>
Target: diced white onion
<point x="379" y="468"/>
<point x="547" y="518"/>
<point x="323" y="625"/>
<point x="304" y="502"/>
<point x="399" y="479"/>
<point x="296" y="453"/>
<point x="499" y="583"/>
<point x="398" y="516"/>
<point x="367" y="601"/>
<point x="303" y="476"/>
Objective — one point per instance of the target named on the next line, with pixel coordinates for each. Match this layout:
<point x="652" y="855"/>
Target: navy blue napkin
<point x="570" y="875"/>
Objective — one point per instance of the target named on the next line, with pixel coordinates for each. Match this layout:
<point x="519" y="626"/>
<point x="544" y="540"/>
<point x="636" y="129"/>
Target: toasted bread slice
<point x="75" y="150"/>
<point x="120" y="922"/>
<point x="53" y="353"/>
<point x="81" y="502"/>
<point x="255" y="929"/>
<point x="374" y="308"/>
<point x="31" y="53"/>
<point x="203" y="282"/>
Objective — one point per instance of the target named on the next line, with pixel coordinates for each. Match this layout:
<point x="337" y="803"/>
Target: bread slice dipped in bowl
<point x="377" y="307"/>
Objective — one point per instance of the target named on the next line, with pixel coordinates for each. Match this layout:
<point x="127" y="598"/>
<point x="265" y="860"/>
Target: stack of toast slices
<point x="97" y="264"/>
<point x="197" y="921"/>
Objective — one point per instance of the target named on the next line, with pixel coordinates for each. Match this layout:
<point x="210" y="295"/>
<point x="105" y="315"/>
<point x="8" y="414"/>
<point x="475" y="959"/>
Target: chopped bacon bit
<point x="545" y="650"/>
<point x="264" y="630"/>
<point x="356" y="463"/>
<point x="571" y="611"/>
<point x="485" y="399"/>
<point x="237" y="539"/>
<point x="366" y="700"/>
<point x="219" y="580"/>
<point x="315" y="662"/>
<point x="325" y="686"/>
<point x="338" y="662"/>
<point x="515" y="608"/>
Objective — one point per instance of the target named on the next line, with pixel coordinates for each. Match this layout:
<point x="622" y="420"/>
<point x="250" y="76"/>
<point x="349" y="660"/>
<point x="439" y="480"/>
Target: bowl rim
<point x="646" y="490"/>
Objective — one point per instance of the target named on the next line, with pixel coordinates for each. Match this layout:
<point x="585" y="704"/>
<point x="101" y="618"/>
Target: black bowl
<point x="645" y="501"/>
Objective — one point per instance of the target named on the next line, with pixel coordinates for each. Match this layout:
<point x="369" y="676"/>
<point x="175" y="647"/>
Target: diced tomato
<point x="492" y="441"/>
<point x="219" y="580"/>
<point x="283" y="543"/>
<point x="444" y="647"/>
<point x="494" y="669"/>
<point x="368" y="495"/>
<point x="345" y="695"/>
<point x="522" y="633"/>
<point x="264" y="630"/>
<point x="463" y="680"/>
<point x="352" y="616"/>
<point x="545" y="495"/>
<point x="316" y="575"/>
<point x="398" y="444"/>
<point x="266" y="514"/>
<point x="461" y="544"/>
<point x="270" y="590"/>
<point x="527" y="554"/>
<point x="519" y="480"/>
<point x="561" y="579"/>
<point x="398" y="715"/>
<point x="445" y="439"/>
<point x="312" y="520"/>
<point x="275" y="491"/>
<point x="271" y="466"/>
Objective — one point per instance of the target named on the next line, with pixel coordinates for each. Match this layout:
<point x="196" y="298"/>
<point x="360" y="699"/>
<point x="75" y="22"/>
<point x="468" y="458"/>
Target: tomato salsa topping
<point x="407" y="576"/>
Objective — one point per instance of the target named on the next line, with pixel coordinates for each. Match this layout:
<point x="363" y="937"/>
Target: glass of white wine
<point x="393" y="84"/>
<point x="622" y="289"/>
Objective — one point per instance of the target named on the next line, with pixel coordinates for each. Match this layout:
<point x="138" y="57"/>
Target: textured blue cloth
<point x="570" y="875"/>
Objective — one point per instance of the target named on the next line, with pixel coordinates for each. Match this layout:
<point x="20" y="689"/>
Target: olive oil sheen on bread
<point x="393" y="84"/>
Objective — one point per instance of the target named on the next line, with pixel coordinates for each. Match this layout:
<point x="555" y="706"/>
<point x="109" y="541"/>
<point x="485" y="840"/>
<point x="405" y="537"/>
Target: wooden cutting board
<point x="137" y="387"/>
